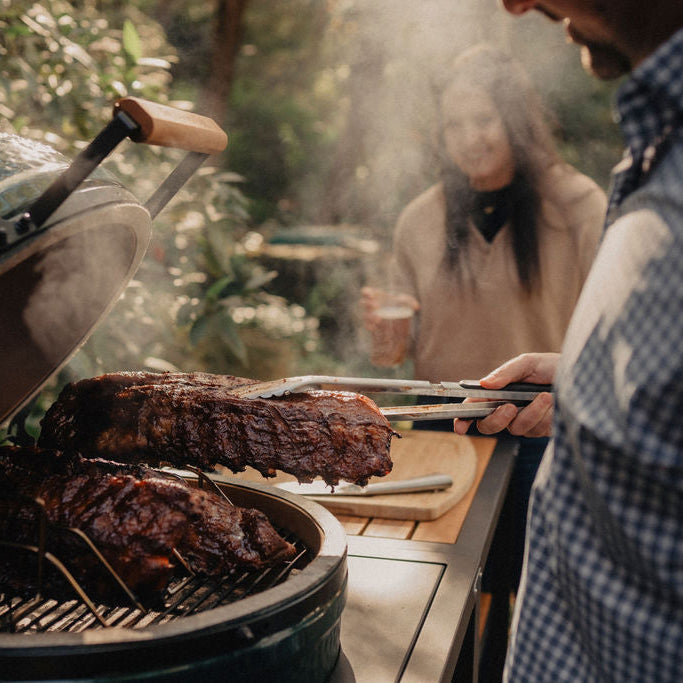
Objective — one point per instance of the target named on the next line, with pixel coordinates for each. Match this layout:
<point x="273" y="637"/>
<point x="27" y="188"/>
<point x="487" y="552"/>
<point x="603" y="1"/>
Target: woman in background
<point x="492" y="259"/>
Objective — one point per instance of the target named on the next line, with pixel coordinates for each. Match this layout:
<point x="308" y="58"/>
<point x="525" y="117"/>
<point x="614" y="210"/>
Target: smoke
<point x="392" y="56"/>
<point x="73" y="282"/>
<point x="388" y="58"/>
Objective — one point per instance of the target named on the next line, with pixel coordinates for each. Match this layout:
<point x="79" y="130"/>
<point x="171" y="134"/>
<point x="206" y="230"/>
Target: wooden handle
<point x="169" y="127"/>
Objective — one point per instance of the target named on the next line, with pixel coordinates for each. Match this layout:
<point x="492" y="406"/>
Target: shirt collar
<point x="650" y="102"/>
<point x="649" y="108"/>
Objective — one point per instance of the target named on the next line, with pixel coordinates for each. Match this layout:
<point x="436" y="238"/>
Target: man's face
<point x="603" y="29"/>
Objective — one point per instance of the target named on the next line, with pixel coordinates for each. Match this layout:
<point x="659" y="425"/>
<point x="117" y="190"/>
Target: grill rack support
<point x="43" y="556"/>
<point x="178" y="597"/>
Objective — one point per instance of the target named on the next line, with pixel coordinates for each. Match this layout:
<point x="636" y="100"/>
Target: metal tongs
<point x="519" y="394"/>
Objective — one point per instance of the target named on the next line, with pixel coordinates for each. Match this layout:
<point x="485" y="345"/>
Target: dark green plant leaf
<point x="221" y="246"/>
<point x="229" y="334"/>
<point x="185" y="314"/>
<point x="199" y="330"/>
<point x="213" y="293"/>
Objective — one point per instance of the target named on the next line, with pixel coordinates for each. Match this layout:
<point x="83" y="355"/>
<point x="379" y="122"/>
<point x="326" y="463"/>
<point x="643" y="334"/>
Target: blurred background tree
<point x="255" y="267"/>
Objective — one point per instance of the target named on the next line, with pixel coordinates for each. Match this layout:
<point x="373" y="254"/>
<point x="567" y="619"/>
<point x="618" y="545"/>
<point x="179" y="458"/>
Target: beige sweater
<point x="464" y="331"/>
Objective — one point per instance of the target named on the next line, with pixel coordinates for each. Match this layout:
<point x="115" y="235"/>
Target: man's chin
<point x="604" y="62"/>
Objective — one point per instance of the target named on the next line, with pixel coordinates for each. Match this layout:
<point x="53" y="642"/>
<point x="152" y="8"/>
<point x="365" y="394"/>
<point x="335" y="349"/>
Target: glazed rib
<point x="136" y="518"/>
<point x="194" y="419"/>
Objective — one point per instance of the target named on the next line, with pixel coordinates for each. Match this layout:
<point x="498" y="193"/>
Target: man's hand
<point x="533" y="420"/>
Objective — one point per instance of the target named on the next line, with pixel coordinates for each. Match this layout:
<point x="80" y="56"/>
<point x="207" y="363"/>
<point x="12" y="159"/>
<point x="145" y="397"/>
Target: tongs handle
<point x="449" y="411"/>
<point x="169" y="127"/>
<point x="513" y="386"/>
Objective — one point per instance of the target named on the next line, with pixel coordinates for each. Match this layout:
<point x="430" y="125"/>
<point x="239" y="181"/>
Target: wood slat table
<point x="444" y="529"/>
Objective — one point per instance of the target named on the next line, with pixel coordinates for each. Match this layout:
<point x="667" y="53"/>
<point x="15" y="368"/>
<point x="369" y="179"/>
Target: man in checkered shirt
<point x="601" y="597"/>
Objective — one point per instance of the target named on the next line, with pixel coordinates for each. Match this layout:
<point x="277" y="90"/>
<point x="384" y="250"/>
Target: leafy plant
<point x="196" y="302"/>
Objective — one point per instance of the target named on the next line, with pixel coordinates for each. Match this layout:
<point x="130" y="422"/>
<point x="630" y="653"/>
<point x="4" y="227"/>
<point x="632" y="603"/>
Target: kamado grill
<point x="59" y="224"/>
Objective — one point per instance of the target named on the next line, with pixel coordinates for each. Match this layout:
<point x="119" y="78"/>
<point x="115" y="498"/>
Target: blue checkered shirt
<point x="602" y="591"/>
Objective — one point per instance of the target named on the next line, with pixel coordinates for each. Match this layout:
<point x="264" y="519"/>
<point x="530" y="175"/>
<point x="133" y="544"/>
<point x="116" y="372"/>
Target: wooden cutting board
<point x="415" y="454"/>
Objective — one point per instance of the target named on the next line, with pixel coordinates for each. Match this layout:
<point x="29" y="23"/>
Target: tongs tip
<point x="275" y="388"/>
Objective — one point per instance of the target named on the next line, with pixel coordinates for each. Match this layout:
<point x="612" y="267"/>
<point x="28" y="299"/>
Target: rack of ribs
<point x="136" y="517"/>
<point x="193" y="419"/>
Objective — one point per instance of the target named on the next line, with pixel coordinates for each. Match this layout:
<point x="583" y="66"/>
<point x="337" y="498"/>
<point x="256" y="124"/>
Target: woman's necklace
<point x="491" y="211"/>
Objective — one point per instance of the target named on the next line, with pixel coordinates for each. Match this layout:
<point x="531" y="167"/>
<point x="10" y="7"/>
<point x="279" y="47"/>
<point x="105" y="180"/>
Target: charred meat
<point x="136" y="517"/>
<point x="193" y="419"/>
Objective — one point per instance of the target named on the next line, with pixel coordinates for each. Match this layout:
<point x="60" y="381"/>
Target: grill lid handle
<point x="141" y="121"/>
<point x="168" y="127"/>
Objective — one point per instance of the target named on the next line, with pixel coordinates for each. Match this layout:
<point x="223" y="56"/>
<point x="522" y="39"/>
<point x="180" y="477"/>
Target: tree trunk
<point x="348" y="196"/>
<point x="226" y="39"/>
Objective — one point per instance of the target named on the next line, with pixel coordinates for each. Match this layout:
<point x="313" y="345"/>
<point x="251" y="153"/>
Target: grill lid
<point x="57" y="285"/>
<point x="71" y="238"/>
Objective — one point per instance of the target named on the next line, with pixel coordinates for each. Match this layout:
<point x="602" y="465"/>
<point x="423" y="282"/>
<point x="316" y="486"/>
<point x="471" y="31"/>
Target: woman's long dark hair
<point x="486" y="68"/>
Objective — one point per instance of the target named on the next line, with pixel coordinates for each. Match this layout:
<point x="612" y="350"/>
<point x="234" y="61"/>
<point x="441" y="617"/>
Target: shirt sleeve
<point x="582" y="205"/>
<point x="402" y="268"/>
<point x="591" y="220"/>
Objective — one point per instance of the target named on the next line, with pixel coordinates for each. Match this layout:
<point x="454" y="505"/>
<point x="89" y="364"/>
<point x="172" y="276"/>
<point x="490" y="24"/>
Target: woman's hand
<point x="373" y="299"/>
<point x="370" y="298"/>
<point x="534" y="419"/>
<point x="388" y="317"/>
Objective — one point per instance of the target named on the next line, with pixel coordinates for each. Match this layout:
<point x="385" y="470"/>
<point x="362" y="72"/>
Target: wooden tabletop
<point x="444" y="529"/>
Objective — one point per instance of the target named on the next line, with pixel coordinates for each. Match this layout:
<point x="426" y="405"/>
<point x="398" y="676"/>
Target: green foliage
<point x="281" y="121"/>
<point x="197" y="300"/>
<point x="588" y="136"/>
<point x="63" y="66"/>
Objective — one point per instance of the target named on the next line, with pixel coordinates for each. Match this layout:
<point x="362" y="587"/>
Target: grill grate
<point x="184" y="597"/>
<point x="189" y="594"/>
